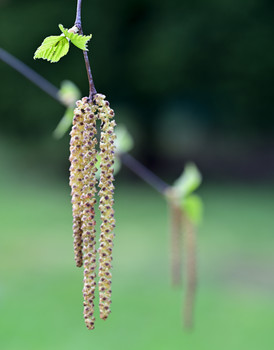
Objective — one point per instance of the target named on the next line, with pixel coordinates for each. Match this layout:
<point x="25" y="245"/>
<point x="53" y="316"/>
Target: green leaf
<point x="193" y="208"/>
<point x="124" y="141"/>
<point x="78" y="40"/>
<point x="64" y="124"/>
<point x="69" y="93"/>
<point x="189" y="181"/>
<point x="52" y="48"/>
<point x="117" y="165"/>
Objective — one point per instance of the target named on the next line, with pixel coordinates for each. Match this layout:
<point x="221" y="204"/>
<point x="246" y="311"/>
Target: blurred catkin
<point x="105" y="114"/>
<point x="190" y="251"/>
<point x="176" y="241"/>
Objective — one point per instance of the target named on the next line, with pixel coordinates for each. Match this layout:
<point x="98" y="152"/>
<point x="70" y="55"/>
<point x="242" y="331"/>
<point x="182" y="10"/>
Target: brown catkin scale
<point x="105" y="114"/>
<point x="76" y="181"/>
<point x="87" y="204"/>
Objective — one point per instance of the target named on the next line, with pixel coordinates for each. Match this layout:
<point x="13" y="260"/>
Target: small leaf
<point x="69" y="93"/>
<point x="189" y="181"/>
<point x="124" y="141"/>
<point x="193" y="207"/>
<point x="52" y="48"/>
<point x="117" y="165"/>
<point x="64" y="124"/>
<point x="78" y="40"/>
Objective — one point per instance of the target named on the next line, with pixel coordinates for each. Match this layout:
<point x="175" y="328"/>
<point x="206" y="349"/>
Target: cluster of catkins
<point x="83" y="182"/>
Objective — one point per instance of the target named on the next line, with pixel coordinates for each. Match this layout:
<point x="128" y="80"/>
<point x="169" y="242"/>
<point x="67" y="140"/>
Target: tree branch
<point x="78" y="21"/>
<point x="78" y="24"/>
<point x="30" y="74"/>
<point x="144" y="173"/>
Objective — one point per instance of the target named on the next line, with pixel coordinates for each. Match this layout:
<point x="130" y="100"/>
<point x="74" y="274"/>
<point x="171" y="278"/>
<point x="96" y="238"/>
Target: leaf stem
<point x="78" y="24"/>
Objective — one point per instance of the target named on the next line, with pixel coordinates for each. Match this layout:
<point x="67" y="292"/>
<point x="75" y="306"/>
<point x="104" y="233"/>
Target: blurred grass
<point x="40" y="288"/>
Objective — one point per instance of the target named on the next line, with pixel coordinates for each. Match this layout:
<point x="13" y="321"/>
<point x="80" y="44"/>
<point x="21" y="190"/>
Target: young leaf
<point x="193" y="207"/>
<point x="189" y="181"/>
<point x="64" y="124"/>
<point x="52" y="48"/>
<point x="69" y="93"/>
<point x="124" y="141"/>
<point x="78" y="40"/>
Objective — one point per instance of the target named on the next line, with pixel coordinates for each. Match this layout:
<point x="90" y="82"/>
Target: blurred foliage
<point x="69" y="94"/>
<point x="189" y="180"/>
<point x="193" y="207"/>
<point x="182" y="193"/>
<point x="192" y="64"/>
<point x="124" y="141"/>
<point x="65" y="123"/>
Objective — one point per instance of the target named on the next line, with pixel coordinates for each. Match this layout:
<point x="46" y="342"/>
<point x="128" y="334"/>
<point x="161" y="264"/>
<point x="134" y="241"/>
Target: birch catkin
<point x="88" y="212"/>
<point x="83" y="182"/>
<point x="105" y="114"/>
<point x="76" y="182"/>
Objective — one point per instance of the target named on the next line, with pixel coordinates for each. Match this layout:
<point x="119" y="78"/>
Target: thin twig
<point x="30" y="74"/>
<point x="78" y="24"/>
<point x="78" y="21"/>
<point x="144" y="173"/>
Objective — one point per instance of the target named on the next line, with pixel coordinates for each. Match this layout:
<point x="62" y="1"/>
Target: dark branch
<point x="78" y="21"/>
<point x="144" y="173"/>
<point x="78" y="24"/>
<point x="30" y="74"/>
<point x="92" y="90"/>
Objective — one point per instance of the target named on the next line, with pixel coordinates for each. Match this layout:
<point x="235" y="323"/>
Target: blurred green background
<point x="191" y="80"/>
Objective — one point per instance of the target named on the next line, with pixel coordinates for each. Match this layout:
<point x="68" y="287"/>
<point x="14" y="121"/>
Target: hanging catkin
<point x="83" y="190"/>
<point x="76" y="182"/>
<point x="88" y="212"/>
<point x="105" y="114"/>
